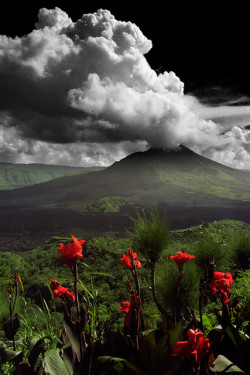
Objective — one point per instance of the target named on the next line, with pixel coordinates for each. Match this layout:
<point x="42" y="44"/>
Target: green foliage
<point x="151" y="234"/>
<point x="107" y="204"/>
<point x="13" y="176"/>
<point x="4" y="306"/>
<point x="241" y="291"/>
<point x="209" y="251"/>
<point x="102" y="287"/>
<point x="167" y="274"/>
<point x="239" y="247"/>
<point x="222" y="365"/>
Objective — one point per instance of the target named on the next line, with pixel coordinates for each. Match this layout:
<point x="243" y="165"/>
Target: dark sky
<point x="206" y="45"/>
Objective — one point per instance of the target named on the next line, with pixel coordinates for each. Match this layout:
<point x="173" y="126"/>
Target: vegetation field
<point x="13" y="176"/>
<point x="103" y="285"/>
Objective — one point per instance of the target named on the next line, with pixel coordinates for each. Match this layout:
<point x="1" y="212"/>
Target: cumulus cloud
<point x="69" y="88"/>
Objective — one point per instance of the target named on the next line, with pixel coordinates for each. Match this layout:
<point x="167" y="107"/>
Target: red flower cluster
<point x="221" y="285"/>
<point x="181" y="258"/>
<point x="195" y="345"/>
<point x="126" y="260"/>
<point x="71" y="252"/>
<point x="61" y="292"/>
<point x="126" y="309"/>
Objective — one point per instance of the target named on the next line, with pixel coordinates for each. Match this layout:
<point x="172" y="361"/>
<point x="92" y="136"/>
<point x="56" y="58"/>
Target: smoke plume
<point x="70" y="88"/>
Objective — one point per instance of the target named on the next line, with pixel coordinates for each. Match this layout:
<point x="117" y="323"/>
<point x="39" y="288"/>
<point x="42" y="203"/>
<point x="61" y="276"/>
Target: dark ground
<point x="22" y="229"/>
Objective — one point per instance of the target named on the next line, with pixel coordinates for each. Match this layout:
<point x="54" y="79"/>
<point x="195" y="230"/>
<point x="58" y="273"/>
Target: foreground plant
<point x="151" y="236"/>
<point x="196" y="347"/>
<point x="132" y="308"/>
<point x="12" y="325"/>
<point x="221" y="285"/>
<point x="136" y="351"/>
<point x="71" y="253"/>
<point x="180" y="259"/>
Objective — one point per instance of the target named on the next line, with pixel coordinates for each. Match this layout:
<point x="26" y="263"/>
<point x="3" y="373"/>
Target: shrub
<point x="167" y="273"/>
<point x="241" y="291"/>
<point x="151" y="234"/>
<point x="239" y="247"/>
<point x="208" y="251"/>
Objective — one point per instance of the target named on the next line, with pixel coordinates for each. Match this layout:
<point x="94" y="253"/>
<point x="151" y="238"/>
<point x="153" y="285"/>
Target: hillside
<point x="172" y="177"/>
<point x="14" y="176"/>
<point x="188" y="186"/>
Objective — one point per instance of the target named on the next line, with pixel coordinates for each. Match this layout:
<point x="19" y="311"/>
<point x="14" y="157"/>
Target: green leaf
<point x="11" y="327"/>
<point x="175" y="334"/>
<point x="159" y="353"/>
<point x="37" y="348"/>
<point x="113" y="365"/>
<point x="230" y="334"/>
<point x="68" y="358"/>
<point x="225" y="366"/>
<point x="7" y="355"/>
<point x="73" y="339"/>
<point x="54" y="364"/>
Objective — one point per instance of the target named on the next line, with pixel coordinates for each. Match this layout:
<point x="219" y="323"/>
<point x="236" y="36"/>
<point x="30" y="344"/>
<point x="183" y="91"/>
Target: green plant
<point x="239" y="247"/>
<point x="151" y="236"/>
<point x="209" y="251"/>
<point x="241" y="292"/>
<point x="188" y="289"/>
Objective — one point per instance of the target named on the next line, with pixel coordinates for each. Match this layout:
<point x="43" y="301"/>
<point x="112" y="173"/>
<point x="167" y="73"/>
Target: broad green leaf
<point x="73" y="339"/>
<point x="11" y="327"/>
<point x="224" y="365"/>
<point x="7" y="355"/>
<point x="114" y="365"/>
<point x="159" y="353"/>
<point x="68" y="360"/>
<point x="230" y="334"/>
<point x="175" y="334"/>
<point x="35" y="351"/>
<point x="149" y="336"/>
<point x="54" y="364"/>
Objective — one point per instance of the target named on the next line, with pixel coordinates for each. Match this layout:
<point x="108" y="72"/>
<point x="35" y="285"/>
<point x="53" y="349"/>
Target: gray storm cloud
<point x="68" y="88"/>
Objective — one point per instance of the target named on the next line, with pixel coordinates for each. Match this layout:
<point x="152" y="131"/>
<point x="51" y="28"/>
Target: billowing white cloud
<point x="71" y="87"/>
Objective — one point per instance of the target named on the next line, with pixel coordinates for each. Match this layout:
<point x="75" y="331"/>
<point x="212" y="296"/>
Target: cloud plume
<point x="69" y="88"/>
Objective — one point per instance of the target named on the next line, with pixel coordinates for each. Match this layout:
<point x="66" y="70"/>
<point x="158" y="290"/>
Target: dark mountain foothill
<point x="188" y="187"/>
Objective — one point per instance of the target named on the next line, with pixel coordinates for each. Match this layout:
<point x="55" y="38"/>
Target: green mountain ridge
<point x="175" y="177"/>
<point x="191" y="189"/>
<point x="13" y="176"/>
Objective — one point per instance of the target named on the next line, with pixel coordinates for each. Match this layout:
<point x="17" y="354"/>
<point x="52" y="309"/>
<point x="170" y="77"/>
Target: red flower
<point x="181" y="258"/>
<point x="195" y="345"/>
<point x="221" y="285"/>
<point x="61" y="292"/>
<point x="126" y="260"/>
<point x="55" y="282"/>
<point x="71" y="252"/>
<point x="126" y="309"/>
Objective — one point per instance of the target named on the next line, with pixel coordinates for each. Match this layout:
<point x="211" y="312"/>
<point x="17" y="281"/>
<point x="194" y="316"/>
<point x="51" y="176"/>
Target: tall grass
<point x="166" y="281"/>
<point x="151" y="234"/>
<point x="239" y="247"/>
<point x="210" y="251"/>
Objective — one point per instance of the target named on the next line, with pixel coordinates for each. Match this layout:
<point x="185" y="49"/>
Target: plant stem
<point x="176" y="301"/>
<point x="200" y="312"/>
<point x="75" y="272"/>
<point x="152" y="274"/>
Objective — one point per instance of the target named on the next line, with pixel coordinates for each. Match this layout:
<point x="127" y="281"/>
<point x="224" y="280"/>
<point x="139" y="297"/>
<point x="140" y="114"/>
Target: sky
<point x="86" y="84"/>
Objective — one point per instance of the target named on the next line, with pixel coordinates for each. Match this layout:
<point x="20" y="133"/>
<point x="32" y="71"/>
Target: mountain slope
<point x="14" y="176"/>
<point x="190" y="188"/>
<point x="179" y="177"/>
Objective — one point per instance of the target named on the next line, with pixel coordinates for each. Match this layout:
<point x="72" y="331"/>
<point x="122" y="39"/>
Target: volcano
<point x="191" y="189"/>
